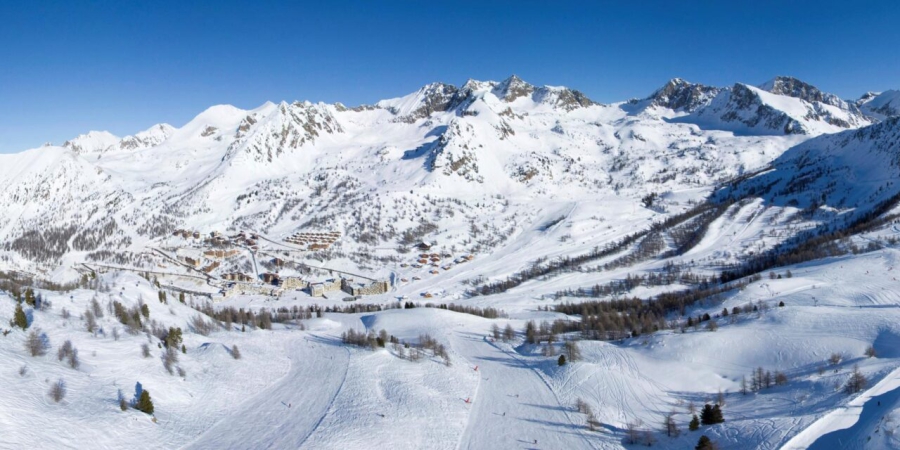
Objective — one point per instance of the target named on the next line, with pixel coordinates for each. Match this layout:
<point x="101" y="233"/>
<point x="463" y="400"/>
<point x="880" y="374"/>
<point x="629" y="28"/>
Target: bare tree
<point x="670" y="426"/>
<point x="508" y="333"/>
<point x="780" y="378"/>
<point x="235" y="353"/>
<point x="90" y="323"/>
<point x="145" y="350"/>
<point x="835" y="359"/>
<point x="37" y="343"/>
<point x="68" y="352"/>
<point x="632" y="431"/>
<point x="170" y="358"/>
<point x="58" y="391"/>
<point x="572" y="350"/>
<point x="856" y="383"/>
<point x="870" y="351"/>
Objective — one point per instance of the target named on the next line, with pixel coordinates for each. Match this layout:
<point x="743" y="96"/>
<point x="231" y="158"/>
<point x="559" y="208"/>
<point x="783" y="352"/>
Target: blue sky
<point x="69" y="67"/>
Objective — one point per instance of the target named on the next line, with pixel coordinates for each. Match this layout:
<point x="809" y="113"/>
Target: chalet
<point x="271" y="278"/>
<point x="238" y="277"/>
<point x="220" y="253"/>
<point x="191" y="261"/>
<point x="320" y="289"/>
<point x="277" y="262"/>
<point x="425" y="245"/>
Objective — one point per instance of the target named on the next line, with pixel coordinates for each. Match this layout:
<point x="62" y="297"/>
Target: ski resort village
<point x="496" y="265"/>
<point x="629" y="261"/>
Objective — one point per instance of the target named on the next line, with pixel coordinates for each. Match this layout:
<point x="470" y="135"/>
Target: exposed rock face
<point x="436" y="97"/>
<point x="146" y="139"/>
<point x="793" y="87"/>
<point x="512" y="88"/>
<point x="455" y="152"/>
<point x="881" y="106"/>
<point x="267" y="134"/>
<point x="681" y="95"/>
<point x="746" y="107"/>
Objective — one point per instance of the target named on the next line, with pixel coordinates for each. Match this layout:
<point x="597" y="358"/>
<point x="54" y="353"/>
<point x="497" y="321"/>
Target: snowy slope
<point x="881" y="106"/>
<point x="502" y="177"/>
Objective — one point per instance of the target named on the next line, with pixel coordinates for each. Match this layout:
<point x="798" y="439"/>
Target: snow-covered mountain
<point x="881" y="105"/>
<point x="486" y="141"/>
<point x="781" y="106"/>
<point x="702" y="245"/>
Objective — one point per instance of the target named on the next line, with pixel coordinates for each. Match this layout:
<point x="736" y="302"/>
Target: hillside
<point x="666" y="246"/>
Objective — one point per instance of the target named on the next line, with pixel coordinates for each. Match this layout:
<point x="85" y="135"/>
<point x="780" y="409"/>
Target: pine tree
<point x="711" y="415"/>
<point x="695" y="423"/>
<point x="145" y="405"/>
<point x="19" y="318"/>
<point x="531" y="332"/>
<point x="562" y="360"/>
<point x="704" y="444"/>
<point x="181" y="297"/>
<point x="29" y="297"/>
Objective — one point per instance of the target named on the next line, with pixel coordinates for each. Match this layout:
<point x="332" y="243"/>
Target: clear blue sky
<point x="71" y="66"/>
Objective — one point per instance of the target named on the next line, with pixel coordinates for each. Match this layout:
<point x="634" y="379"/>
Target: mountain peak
<point x="882" y="105"/>
<point x="92" y="141"/>
<point x="793" y="87"/>
<point x="681" y="95"/>
<point x="512" y="88"/>
<point x="150" y="137"/>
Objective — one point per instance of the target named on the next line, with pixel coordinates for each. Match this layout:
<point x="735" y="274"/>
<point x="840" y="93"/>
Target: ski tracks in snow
<point x="514" y="404"/>
<point x="291" y="409"/>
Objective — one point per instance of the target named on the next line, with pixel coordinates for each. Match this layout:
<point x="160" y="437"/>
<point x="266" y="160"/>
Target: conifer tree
<point x="144" y="404"/>
<point x="19" y="318"/>
<point x="704" y="444"/>
<point x="562" y="360"/>
<point x="695" y="423"/>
